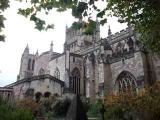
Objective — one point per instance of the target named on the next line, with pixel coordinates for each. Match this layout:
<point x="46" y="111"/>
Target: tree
<point x="143" y="15"/>
<point x="4" y="4"/>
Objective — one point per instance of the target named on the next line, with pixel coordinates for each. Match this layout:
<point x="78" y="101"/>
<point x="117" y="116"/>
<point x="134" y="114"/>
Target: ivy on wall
<point x="77" y="25"/>
<point x="89" y="27"/>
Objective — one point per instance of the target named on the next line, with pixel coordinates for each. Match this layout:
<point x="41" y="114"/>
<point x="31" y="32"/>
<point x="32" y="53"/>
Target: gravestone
<point x="76" y="110"/>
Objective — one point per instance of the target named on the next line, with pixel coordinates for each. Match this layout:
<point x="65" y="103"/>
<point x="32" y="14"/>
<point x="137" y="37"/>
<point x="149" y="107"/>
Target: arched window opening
<point x="57" y="73"/>
<point x="75" y="81"/>
<point x="38" y="96"/>
<point x="47" y="94"/>
<point x="33" y="62"/>
<point x="126" y="84"/>
<point x="29" y="64"/>
<point x="41" y="72"/>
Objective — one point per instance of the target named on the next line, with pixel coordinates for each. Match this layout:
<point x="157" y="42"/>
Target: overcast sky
<point x="19" y="31"/>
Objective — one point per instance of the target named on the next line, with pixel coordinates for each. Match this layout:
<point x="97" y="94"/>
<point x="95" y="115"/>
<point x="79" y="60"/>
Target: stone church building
<point x="89" y="66"/>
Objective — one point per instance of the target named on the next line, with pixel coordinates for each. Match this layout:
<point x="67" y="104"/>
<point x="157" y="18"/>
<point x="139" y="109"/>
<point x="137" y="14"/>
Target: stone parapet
<point x="36" y="78"/>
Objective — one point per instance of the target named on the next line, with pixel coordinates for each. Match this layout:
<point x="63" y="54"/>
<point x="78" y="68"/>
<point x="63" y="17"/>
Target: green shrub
<point x="144" y="106"/>
<point x="61" y="108"/>
<point x="94" y="108"/>
<point x="10" y="112"/>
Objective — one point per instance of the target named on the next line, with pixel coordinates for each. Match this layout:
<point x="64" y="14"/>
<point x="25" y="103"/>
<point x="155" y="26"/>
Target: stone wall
<point x="76" y="61"/>
<point x="6" y="93"/>
<point x="59" y="63"/>
<point x="156" y="66"/>
<point x="42" y="84"/>
<point x="133" y="65"/>
<point x="24" y="71"/>
<point x="42" y="63"/>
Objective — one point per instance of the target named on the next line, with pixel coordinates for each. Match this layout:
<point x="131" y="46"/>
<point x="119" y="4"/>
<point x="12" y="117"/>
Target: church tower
<point x="27" y="64"/>
<point x="78" y="39"/>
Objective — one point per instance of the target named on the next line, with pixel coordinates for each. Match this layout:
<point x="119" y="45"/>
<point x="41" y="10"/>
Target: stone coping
<point x="36" y="78"/>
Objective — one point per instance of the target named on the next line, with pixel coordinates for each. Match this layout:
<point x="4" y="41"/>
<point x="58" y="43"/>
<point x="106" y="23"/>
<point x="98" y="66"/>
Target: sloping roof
<point x="48" y="52"/>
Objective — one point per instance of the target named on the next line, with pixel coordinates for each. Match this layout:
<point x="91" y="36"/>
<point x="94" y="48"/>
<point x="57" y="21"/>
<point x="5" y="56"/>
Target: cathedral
<point x="89" y="66"/>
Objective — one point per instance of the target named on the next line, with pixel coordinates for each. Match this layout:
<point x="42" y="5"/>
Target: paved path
<point x="93" y="119"/>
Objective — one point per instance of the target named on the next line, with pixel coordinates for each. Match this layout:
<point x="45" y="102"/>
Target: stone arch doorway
<point x="74" y="82"/>
<point x="126" y="83"/>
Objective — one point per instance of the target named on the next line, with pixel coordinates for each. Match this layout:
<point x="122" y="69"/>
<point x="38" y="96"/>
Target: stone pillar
<point x="67" y="68"/>
<point x="151" y="68"/>
<point x="79" y="85"/>
<point x="74" y="85"/>
<point x="146" y="67"/>
<point x="108" y="82"/>
<point x="92" y="83"/>
<point x="96" y="79"/>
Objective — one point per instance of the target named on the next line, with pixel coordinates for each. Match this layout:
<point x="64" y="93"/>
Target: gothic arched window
<point x="57" y="73"/>
<point x="75" y="81"/>
<point x="33" y="62"/>
<point x="41" y="72"/>
<point x="126" y="83"/>
<point x="29" y="64"/>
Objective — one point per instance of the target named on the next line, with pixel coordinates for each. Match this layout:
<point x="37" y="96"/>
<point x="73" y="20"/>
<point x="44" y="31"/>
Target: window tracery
<point x="126" y="83"/>
<point x="57" y="73"/>
<point x="75" y="81"/>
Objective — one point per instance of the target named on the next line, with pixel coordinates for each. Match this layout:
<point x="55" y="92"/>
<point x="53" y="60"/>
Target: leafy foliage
<point x="4" y="4"/>
<point x="94" y="108"/>
<point x="28" y="103"/>
<point x="38" y="6"/>
<point x="61" y="108"/>
<point x="89" y="27"/>
<point x="10" y="112"/>
<point x="79" y="9"/>
<point x="77" y="25"/>
<point x="143" y="15"/>
<point x="144" y="106"/>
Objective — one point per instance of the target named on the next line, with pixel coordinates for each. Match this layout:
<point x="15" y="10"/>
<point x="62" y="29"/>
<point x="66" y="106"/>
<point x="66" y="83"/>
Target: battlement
<point x="77" y="32"/>
<point x="120" y="35"/>
<point x="72" y="33"/>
